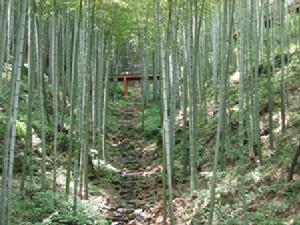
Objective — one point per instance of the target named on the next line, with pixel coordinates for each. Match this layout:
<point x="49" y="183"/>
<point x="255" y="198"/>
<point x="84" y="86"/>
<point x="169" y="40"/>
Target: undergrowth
<point x="52" y="208"/>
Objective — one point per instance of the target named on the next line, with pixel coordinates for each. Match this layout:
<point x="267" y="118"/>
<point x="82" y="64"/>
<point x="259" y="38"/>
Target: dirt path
<point x="134" y="156"/>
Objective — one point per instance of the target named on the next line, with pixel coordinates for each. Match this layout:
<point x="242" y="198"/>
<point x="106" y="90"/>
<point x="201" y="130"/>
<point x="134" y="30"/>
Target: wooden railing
<point x="127" y="77"/>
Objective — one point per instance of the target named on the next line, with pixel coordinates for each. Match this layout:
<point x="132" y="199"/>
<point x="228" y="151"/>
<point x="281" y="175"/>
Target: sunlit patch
<point x="99" y="163"/>
<point x="255" y="176"/>
<point x="36" y="141"/>
<point x="235" y="77"/>
<point x="150" y="147"/>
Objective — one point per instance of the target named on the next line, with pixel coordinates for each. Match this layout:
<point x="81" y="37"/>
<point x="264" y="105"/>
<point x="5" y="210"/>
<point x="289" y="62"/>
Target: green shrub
<point x="53" y="208"/>
<point x="2" y="128"/>
<point x="261" y="217"/>
<point x="152" y="120"/>
<point x="21" y="129"/>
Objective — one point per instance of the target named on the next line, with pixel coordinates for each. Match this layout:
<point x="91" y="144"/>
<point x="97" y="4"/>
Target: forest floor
<point x="136" y="185"/>
<point x="136" y="189"/>
<point x="128" y="189"/>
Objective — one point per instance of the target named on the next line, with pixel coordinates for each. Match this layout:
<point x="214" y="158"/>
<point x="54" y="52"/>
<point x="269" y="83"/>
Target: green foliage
<point x="111" y="176"/>
<point x="152" y="120"/>
<point x="45" y="204"/>
<point x="21" y="129"/>
<point x="2" y="127"/>
<point x="119" y="91"/>
<point x="106" y="171"/>
<point x="179" y="176"/>
<point x="121" y="102"/>
<point x="233" y="94"/>
<point x="292" y="191"/>
<point x="261" y="217"/>
<point x="113" y="107"/>
<point x="234" y="154"/>
<point x="112" y="123"/>
<point x="278" y="207"/>
<point x="63" y="141"/>
<point x="52" y="208"/>
<point x="296" y="220"/>
<point x="263" y="92"/>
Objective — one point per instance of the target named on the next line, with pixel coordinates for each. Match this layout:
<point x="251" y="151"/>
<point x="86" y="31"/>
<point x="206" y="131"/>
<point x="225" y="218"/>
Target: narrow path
<point x="133" y="155"/>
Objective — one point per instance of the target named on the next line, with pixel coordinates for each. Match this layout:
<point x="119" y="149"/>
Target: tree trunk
<point x="293" y="164"/>
<point x="282" y="69"/>
<point x="54" y="80"/>
<point x="10" y="136"/>
<point x="39" y="41"/>
<point x="31" y="74"/>
<point x="3" y="39"/>
<point x="270" y="75"/>
<point x="166" y="124"/>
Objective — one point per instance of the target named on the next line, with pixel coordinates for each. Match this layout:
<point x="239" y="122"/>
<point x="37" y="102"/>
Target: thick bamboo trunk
<point x="10" y="137"/>
<point x="28" y="164"/>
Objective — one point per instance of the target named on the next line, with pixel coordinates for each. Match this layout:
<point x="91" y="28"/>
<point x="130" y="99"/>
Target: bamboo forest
<point x="150" y="112"/>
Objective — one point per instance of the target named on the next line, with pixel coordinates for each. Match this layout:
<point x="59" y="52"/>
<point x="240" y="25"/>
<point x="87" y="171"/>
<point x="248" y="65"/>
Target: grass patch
<point x="52" y="208"/>
<point x="152" y="120"/>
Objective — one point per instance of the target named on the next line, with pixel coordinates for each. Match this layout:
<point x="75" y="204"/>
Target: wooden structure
<point x="294" y="6"/>
<point x="126" y="77"/>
